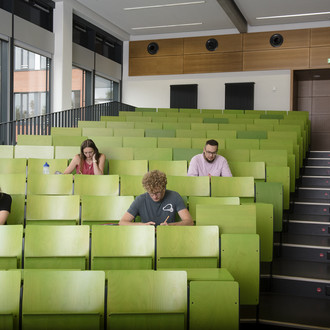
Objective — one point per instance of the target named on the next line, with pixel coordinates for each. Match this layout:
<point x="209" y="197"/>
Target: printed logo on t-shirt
<point x="168" y="208"/>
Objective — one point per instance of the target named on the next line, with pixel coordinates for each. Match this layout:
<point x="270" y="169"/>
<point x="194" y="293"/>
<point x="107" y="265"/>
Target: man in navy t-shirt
<point x="158" y="206"/>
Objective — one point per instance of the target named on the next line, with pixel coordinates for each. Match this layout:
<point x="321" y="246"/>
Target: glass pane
<point x="31" y="83"/>
<point x="103" y="90"/>
<point x="78" y="88"/>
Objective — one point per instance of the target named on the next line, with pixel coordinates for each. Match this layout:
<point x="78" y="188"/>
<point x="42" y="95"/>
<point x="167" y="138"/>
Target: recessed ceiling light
<point x="295" y="15"/>
<point x="165" y="26"/>
<point x="167" y="5"/>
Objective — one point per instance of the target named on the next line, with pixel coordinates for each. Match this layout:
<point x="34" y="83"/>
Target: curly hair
<point x="154" y="181"/>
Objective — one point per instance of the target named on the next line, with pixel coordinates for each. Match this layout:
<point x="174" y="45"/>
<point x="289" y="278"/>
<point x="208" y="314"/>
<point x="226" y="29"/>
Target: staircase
<point x="295" y="288"/>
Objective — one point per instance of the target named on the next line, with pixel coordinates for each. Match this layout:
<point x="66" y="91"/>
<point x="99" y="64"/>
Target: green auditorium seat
<point x="204" y="126"/>
<point x="253" y="115"/>
<point x="185" y="153"/>
<point x="66" y="131"/>
<point x="145" y="110"/>
<point x="255" y="169"/>
<point x="148" y="125"/>
<point x="112" y="118"/>
<point x="10" y="287"/>
<point x="240" y="256"/>
<point x="64" y="299"/>
<point x="56" y="247"/>
<point x="249" y="134"/>
<point x="129" y="113"/>
<point x="222" y="134"/>
<point x="216" y="120"/>
<point x="94" y="131"/>
<point x="128" y="132"/>
<point x="242" y="144"/>
<point x="184" y="247"/>
<point x="12" y="166"/>
<point x="131" y="185"/>
<point x="170" y="167"/>
<point x="163" y="119"/>
<point x="192" y="133"/>
<point x="138" y="119"/>
<point x="114" y="153"/>
<point x="241" y="121"/>
<point x="120" y="125"/>
<point x="103" y="209"/>
<point x="153" y="153"/>
<point x="175" y="126"/>
<point x="232" y="127"/>
<point x="146" y="299"/>
<point x="123" y="247"/>
<point x="6" y="151"/>
<point x="65" y="152"/>
<point x="43" y="209"/>
<point x="149" y="132"/>
<point x="11" y="246"/>
<point x="128" y="167"/>
<point x="97" y="185"/>
<point x="174" y="142"/>
<point x="176" y="114"/>
<point x="16" y="215"/>
<point x="35" y="140"/>
<point x="34" y="152"/>
<point x="68" y="140"/>
<point x="90" y="124"/>
<point x="35" y="166"/>
<point x="49" y="184"/>
<point x="189" y="110"/>
<point x="168" y="109"/>
<point x="13" y="183"/>
<point x="190" y="120"/>
<point x="233" y="111"/>
<point x="259" y="127"/>
<point x="139" y="142"/>
<point x="189" y="185"/>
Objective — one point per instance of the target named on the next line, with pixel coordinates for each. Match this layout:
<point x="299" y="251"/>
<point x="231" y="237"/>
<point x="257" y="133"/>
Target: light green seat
<point x="177" y="114"/>
<point x="149" y="132"/>
<point x="174" y="142"/>
<point x="104" y="142"/>
<point x="12" y="166"/>
<point x="90" y="124"/>
<point x="13" y="183"/>
<point x="148" y="125"/>
<point x="196" y="200"/>
<point x="251" y="115"/>
<point x="66" y="131"/>
<point x="241" y="257"/>
<point x="11" y="246"/>
<point x="189" y="185"/>
<point x="189" y="110"/>
<point x="56" y="247"/>
<point x="97" y="185"/>
<point x="216" y="120"/>
<point x="254" y="112"/>
<point x="163" y="296"/>
<point x="97" y="210"/>
<point x="93" y="131"/>
<point x="129" y="113"/>
<point x="34" y="151"/>
<point x="259" y="127"/>
<point x="272" y="193"/>
<point x="233" y="111"/>
<point x="10" y="287"/>
<point x="34" y="140"/>
<point x="128" y="167"/>
<point x="65" y="152"/>
<point x="242" y="187"/>
<point x="202" y="115"/>
<point x="6" y="151"/>
<point x="136" y="132"/>
<point x="112" y="118"/>
<point x="68" y="140"/>
<point x="266" y="121"/>
<point x="235" y="155"/>
<point x="212" y="111"/>
<point x="35" y="166"/>
<point x="185" y="153"/>
<point x="49" y="184"/>
<point x="145" y="109"/>
<point x="272" y="116"/>
<point x="168" y="109"/>
<point x="69" y="299"/>
<point x="123" y="247"/>
<point x="120" y="125"/>
<point x="222" y="134"/>
<point x="117" y="153"/>
<point x="16" y="215"/>
<point x="248" y="134"/>
<point x="255" y="169"/>
<point x="175" y="249"/>
<point x="152" y="114"/>
<point x="175" y="125"/>
<point x="138" y="119"/>
<point x="242" y="144"/>
<point x="232" y="127"/>
<point x="213" y="304"/>
<point x="240" y="121"/>
<point x="190" y="120"/>
<point x="192" y="133"/>
<point x="57" y="210"/>
<point x="164" y="119"/>
<point x="169" y="167"/>
<point x="131" y="185"/>
<point x="153" y="153"/>
<point x="139" y="142"/>
<point x="230" y="219"/>
<point x="204" y="126"/>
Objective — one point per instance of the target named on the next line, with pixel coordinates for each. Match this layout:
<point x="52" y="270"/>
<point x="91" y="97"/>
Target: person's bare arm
<point x="186" y="219"/>
<point x="3" y="216"/>
<point x="74" y="162"/>
<point x="127" y="220"/>
<point x="99" y="167"/>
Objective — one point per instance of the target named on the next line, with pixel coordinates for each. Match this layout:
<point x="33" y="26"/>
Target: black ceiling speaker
<point x="153" y="48"/>
<point x="276" y="40"/>
<point x="211" y="44"/>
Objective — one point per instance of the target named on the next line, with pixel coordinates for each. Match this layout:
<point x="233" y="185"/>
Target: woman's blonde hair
<point x="154" y="180"/>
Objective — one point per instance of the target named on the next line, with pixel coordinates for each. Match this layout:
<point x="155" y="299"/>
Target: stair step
<point x="302" y="227"/>
<point x="313" y="193"/>
<point x="315" y="181"/>
<point x="317" y="170"/>
<point x="311" y="208"/>
<point x="319" y="154"/>
<point x="317" y="162"/>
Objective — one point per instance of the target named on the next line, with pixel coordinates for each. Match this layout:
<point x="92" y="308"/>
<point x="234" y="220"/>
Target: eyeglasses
<point x="158" y="193"/>
<point x="211" y="153"/>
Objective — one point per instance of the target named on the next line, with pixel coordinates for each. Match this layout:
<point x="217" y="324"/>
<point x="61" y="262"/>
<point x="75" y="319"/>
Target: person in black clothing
<point x="5" y="207"/>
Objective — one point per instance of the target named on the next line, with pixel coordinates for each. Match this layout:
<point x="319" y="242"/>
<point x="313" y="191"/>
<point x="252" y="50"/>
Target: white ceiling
<point x="208" y="16"/>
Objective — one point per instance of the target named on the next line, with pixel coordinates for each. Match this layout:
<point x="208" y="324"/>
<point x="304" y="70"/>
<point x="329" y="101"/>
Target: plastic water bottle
<point x="45" y="169"/>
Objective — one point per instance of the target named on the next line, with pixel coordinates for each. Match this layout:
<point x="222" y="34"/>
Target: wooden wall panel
<point x="319" y="57"/>
<point x="320" y="37"/>
<point x="166" y="47"/>
<point x="226" y="43"/>
<point x="291" y="39"/>
<point x="155" y="65"/>
<point x="276" y="59"/>
<point x="220" y="62"/>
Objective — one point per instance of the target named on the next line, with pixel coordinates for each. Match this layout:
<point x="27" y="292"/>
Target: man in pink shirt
<point x="209" y="163"/>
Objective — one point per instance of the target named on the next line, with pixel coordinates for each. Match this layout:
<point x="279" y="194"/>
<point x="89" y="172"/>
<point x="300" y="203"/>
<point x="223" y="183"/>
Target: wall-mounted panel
<point x="107" y="66"/>
<point x="5" y="23"/>
<point x="82" y="57"/>
<point x="320" y="37"/>
<point x="167" y="47"/>
<point x="155" y="66"/>
<point x="319" y="57"/>
<point x="220" y="62"/>
<point x="226" y="43"/>
<point x="291" y="39"/>
<point x="276" y="59"/>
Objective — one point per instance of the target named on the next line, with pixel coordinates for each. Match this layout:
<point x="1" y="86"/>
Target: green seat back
<point x="6" y="151"/>
<point x="56" y="247"/>
<point x="43" y="209"/>
<point x="128" y="167"/>
<point x="12" y="166"/>
<point x="189" y="110"/>
<point x="16" y="215"/>
<point x="232" y="127"/>
<point x="174" y="142"/>
<point x="185" y="153"/>
<point x="153" y="153"/>
<point x="11" y="245"/>
<point x="240" y="256"/>
<point x="189" y="185"/>
<point x="131" y="185"/>
<point x="216" y="120"/>
<point x="103" y="209"/>
<point x="175" y="248"/>
<point x="221" y="134"/>
<point x="151" y="132"/>
<point x="90" y="124"/>
<point x="235" y="155"/>
<point x="255" y="169"/>
<point x="141" y="142"/>
<point x="138" y="119"/>
<point x="175" y="125"/>
<point x="169" y="167"/>
<point x="104" y="142"/>
<point x="270" y="157"/>
<point x="242" y="144"/>
<point x="129" y="113"/>
<point x="163" y="119"/>
<point x="35" y="166"/>
<point x="97" y="185"/>
<point x="148" y="125"/>
<point x="55" y="298"/>
<point x="66" y="131"/>
<point x="63" y="140"/>
<point x="204" y="126"/>
<point x="120" y="125"/>
<point x="35" y="140"/>
<point x="145" y="110"/>
<point x="49" y="184"/>
<point x="123" y="247"/>
<point x="91" y="132"/>
<point x="10" y="286"/>
<point x="164" y="297"/>
<point x="66" y="152"/>
<point x="112" y="118"/>
<point x="248" y="134"/>
<point x="43" y="152"/>
<point x="128" y="132"/>
<point x="114" y="153"/>
<point x="192" y="133"/>
<point x="13" y="183"/>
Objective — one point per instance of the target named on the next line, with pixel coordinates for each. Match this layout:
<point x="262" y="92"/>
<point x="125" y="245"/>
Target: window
<point x="103" y="90"/>
<point x="31" y="83"/>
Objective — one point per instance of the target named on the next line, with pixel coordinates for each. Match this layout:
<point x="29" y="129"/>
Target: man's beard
<point x="209" y="161"/>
